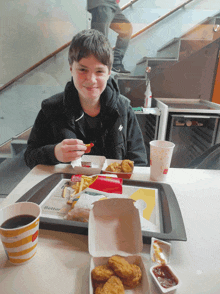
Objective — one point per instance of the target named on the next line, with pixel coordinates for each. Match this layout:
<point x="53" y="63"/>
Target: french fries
<point x="82" y="185"/>
<point x="64" y="192"/>
<point x="79" y="187"/>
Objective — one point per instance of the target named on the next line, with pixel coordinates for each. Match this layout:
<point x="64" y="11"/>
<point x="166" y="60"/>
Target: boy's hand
<point x="69" y="150"/>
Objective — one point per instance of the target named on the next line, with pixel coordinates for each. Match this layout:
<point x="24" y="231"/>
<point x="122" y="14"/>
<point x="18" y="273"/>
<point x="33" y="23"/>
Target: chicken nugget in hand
<point x="120" y="266"/>
<point x="113" y="286"/>
<point x="88" y="146"/>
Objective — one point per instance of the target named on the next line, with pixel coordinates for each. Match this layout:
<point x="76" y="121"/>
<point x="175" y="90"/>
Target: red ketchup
<point x="164" y="276"/>
<point x="89" y="146"/>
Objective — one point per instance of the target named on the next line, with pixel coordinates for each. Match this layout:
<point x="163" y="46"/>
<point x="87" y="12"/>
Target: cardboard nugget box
<point x="88" y="164"/>
<point x="119" y="174"/>
<point x="94" y="164"/>
<point x="115" y="229"/>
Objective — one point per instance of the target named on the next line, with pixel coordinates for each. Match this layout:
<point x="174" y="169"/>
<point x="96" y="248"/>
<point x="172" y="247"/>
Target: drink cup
<point x="19" y="228"/>
<point x="160" y="157"/>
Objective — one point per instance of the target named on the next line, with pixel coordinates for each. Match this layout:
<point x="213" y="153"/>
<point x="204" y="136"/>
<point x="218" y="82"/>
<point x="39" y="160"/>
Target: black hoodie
<point x="62" y="117"/>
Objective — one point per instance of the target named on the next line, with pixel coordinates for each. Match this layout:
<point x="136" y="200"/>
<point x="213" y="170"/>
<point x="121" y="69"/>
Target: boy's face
<point x="90" y="78"/>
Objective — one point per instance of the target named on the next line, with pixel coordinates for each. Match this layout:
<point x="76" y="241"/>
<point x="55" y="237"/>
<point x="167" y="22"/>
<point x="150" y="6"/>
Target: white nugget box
<point x="114" y="228"/>
<point x="119" y="174"/>
<point x="88" y="164"/>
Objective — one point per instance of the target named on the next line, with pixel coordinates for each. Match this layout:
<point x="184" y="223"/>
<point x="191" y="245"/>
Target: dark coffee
<point x="18" y="221"/>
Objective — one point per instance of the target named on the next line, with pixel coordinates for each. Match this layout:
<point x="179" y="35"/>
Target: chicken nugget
<point x="113" y="286"/>
<point x="114" y="167"/>
<point x="120" y="266"/>
<point x="135" y="280"/>
<point x="102" y="273"/>
<point x="98" y="289"/>
<point x="127" y="166"/>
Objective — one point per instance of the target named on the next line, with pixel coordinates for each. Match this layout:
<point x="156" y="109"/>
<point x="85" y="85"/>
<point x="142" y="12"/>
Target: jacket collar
<point x="108" y="100"/>
<point x="71" y="102"/>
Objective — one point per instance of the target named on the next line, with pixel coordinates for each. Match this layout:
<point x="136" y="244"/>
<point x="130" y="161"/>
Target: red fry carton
<point x="115" y="229"/>
<point x="107" y="184"/>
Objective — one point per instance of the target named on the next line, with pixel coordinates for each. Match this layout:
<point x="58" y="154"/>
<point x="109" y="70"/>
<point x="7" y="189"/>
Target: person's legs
<point x="121" y="25"/>
<point x="102" y="17"/>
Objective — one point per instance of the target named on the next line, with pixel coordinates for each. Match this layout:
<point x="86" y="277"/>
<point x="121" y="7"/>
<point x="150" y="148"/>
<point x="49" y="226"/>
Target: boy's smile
<point x="90" y="78"/>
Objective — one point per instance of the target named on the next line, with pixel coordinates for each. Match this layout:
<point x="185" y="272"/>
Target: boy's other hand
<point x="69" y="150"/>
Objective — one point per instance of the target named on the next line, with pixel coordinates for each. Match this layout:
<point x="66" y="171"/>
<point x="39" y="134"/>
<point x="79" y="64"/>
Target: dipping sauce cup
<point x="19" y="228"/>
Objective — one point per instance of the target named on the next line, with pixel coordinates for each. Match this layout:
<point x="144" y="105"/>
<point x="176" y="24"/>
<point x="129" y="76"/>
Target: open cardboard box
<point x="119" y="174"/>
<point x="89" y="164"/>
<point x="115" y="229"/>
<point x="94" y="164"/>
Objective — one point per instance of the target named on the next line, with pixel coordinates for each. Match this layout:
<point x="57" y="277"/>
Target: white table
<point x="61" y="264"/>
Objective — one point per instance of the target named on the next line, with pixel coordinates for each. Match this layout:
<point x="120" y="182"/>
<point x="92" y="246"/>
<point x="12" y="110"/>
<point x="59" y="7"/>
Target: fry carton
<point x="107" y="184"/>
<point x="100" y="183"/>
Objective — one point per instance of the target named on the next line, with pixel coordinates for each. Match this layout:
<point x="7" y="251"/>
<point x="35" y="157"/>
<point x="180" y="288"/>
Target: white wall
<point x="32" y="29"/>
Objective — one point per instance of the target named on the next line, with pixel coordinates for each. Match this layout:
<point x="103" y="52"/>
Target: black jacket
<point x="61" y="117"/>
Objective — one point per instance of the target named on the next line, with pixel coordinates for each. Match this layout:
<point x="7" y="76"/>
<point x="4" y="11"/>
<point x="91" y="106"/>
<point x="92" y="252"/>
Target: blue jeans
<point x="103" y="18"/>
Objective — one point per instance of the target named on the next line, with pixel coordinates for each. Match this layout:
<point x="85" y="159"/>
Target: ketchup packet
<point x="107" y="184"/>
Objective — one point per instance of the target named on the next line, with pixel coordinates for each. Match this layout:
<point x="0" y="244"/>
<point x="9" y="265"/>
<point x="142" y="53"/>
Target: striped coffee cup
<point x="19" y="228"/>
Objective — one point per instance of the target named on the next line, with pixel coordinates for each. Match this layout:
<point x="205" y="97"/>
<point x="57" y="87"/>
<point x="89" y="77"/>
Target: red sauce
<point x="164" y="276"/>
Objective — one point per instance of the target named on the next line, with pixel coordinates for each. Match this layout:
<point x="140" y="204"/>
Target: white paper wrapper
<point x="55" y="206"/>
<point x="81" y="209"/>
<point x="76" y="162"/>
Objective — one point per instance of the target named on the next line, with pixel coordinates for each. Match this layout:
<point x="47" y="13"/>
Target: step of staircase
<point x="188" y="47"/>
<point x="182" y="48"/>
<point x="24" y="135"/>
<point x="202" y="31"/>
<point x="12" y="171"/>
<point x="19" y="142"/>
<point x="5" y="151"/>
<point x="14" y="146"/>
<point x="195" y="39"/>
<point x="153" y="62"/>
<point x="170" y="49"/>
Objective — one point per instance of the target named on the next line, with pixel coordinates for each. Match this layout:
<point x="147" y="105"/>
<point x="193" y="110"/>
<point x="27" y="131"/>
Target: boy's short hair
<point x="90" y="42"/>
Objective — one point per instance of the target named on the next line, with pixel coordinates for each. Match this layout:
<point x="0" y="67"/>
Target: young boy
<point x="90" y="110"/>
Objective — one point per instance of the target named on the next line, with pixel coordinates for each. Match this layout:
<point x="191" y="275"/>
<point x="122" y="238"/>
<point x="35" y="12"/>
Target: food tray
<point x="171" y="221"/>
